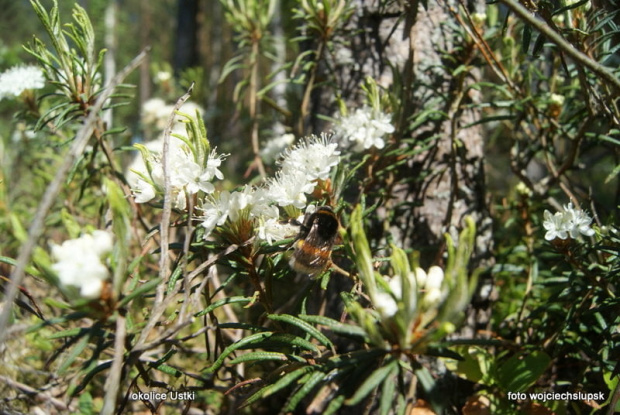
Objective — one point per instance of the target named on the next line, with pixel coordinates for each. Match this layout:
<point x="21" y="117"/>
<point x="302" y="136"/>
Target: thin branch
<point x="563" y="44"/>
<point x="53" y="189"/>
<point x="113" y="382"/>
<point x="158" y="308"/>
<point x="36" y="394"/>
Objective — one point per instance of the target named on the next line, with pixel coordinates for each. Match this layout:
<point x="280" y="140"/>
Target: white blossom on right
<point x="569" y="222"/>
<point x="363" y="129"/>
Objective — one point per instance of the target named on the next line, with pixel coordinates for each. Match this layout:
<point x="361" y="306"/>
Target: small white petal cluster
<point x="249" y="203"/>
<point x="156" y="113"/>
<point x="79" y="262"/>
<point x="191" y="169"/>
<point x="274" y="147"/>
<point x="430" y="284"/>
<point x="365" y="128"/>
<point x="301" y="166"/>
<point x="425" y="288"/>
<point x="570" y="222"/>
<point x="20" y="78"/>
<point x="189" y="174"/>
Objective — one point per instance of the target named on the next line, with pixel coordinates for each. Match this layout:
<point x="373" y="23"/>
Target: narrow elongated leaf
<point x="294" y="341"/>
<point x="251" y="339"/>
<point x="259" y="356"/>
<point x="334" y="325"/>
<point x="167" y="369"/>
<point x="143" y="289"/>
<point x="282" y="383"/>
<point x="387" y="393"/>
<point x="308" y="328"/>
<point x="222" y="302"/>
<point x="335" y="405"/>
<point x="75" y="352"/>
<point x="314" y="379"/>
<point x="374" y="380"/>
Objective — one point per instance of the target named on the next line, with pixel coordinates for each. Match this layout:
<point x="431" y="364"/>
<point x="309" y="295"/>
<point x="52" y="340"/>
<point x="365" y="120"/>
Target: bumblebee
<point x="313" y="248"/>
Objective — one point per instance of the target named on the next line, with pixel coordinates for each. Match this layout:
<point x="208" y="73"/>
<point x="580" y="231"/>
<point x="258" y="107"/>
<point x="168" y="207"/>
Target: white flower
<point x="215" y="212"/>
<point x="275" y="146"/>
<point x="555" y="226"/>
<point x="290" y="188"/>
<point x="556" y="99"/>
<point x="163" y="76"/>
<point x="188" y="176"/>
<point x="156" y="113"/>
<point x="579" y="222"/>
<point x="387" y="303"/>
<point x="432" y="285"/>
<point x="315" y="157"/>
<point x="570" y="222"/>
<point x="365" y="128"/>
<point x="19" y="79"/>
<point x="143" y="191"/>
<point x="79" y="262"/>
<point x="274" y="230"/>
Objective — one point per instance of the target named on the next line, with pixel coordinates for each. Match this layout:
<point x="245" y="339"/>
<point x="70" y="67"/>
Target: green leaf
<point x="75" y="352"/>
<point x="527" y="37"/>
<point x="312" y="331"/>
<point x="246" y="341"/>
<point x="294" y="341"/>
<point x="260" y="356"/>
<point x="222" y="302"/>
<point x="335" y="326"/>
<point x="309" y="384"/>
<point x="374" y="380"/>
<point x="387" y="395"/>
<point x="334" y="405"/>
<point x="144" y="288"/>
<point x="522" y="370"/>
<point x="282" y="383"/>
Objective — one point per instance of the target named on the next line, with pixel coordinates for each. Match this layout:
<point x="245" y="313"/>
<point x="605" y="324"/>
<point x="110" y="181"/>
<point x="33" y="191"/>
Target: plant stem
<point x="53" y="189"/>
<point x="254" y="107"/>
<point x="563" y="44"/>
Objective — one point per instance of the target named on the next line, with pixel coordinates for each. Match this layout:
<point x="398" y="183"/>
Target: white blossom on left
<point x="19" y="79"/>
<point x="79" y="262"/>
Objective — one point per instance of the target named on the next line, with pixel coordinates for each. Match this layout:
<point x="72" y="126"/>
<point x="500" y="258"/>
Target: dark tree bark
<point x="186" y="43"/>
<point x="436" y="190"/>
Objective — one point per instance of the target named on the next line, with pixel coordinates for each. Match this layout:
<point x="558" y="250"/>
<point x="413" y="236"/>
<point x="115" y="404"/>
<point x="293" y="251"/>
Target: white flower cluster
<point x="301" y="167"/>
<point x="251" y="204"/>
<point x="189" y="174"/>
<point x="274" y="147"/>
<point x="19" y="79"/>
<point x="191" y="168"/>
<point x="569" y="222"/>
<point x="79" y="262"/>
<point x="419" y="282"/>
<point x="155" y="113"/>
<point x="365" y="128"/>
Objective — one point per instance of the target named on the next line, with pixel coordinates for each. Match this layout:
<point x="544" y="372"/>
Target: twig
<point x="563" y="44"/>
<point x="59" y="405"/>
<point x="53" y="189"/>
<point x="158" y="306"/>
<point x="114" y="379"/>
